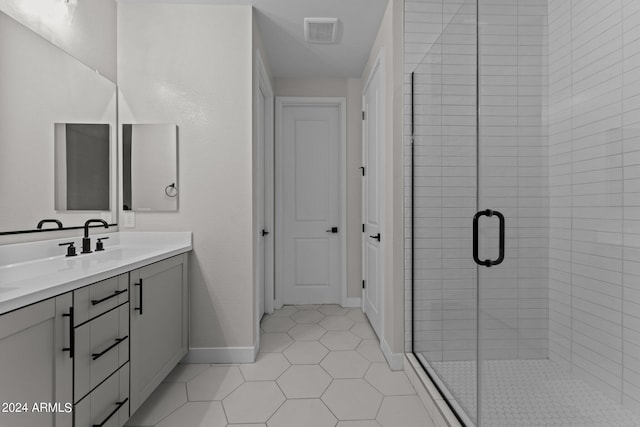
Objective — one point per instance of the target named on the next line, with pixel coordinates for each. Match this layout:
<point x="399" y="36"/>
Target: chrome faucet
<point x="86" y="241"/>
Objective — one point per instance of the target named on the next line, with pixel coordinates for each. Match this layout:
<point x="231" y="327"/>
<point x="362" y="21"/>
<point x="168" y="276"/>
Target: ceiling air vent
<point x="320" y="30"/>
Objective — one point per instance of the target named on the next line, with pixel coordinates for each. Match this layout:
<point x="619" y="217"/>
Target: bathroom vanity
<point x="85" y="340"/>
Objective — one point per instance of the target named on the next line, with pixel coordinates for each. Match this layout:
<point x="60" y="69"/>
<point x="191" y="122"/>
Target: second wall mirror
<point x="150" y="167"/>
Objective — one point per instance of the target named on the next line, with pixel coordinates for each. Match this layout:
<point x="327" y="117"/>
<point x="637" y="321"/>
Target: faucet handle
<point x="99" y="244"/>
<point x="71" y="250"/>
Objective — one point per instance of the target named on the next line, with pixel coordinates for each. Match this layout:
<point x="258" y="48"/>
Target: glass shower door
<point x="524" y="265"/>
<point x="444" y="201"/>
<point x="513" y="209"/>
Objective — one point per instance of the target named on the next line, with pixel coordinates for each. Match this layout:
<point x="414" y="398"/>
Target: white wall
<point x="351" y="89"/>
<point x="594" y="148"/>
<point x="192" y="65"/>
<point x="389" y="39"/>
<point x="86" y="29"/>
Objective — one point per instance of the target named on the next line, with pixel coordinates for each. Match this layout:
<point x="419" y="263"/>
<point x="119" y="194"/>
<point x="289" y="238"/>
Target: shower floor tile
<point x="532" y="393"/>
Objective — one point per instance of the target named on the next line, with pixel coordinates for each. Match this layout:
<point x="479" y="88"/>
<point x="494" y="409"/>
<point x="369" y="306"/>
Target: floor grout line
<point x="332" y="394"/>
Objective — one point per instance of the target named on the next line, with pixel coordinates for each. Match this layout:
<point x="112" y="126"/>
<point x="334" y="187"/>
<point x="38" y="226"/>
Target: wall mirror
<point x="150" y="167"/>
<point x="82" y="166"/>
<point x="42" y="85"/>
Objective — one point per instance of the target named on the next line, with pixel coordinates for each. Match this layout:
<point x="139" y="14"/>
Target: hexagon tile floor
<point x="319" y="366"/>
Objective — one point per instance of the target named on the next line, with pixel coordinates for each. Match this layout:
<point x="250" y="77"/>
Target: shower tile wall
<point x="514" y="178"/>
<point x="594" y="151"/>
<point x="422" y="29"/>
<point x="440" y="42"/>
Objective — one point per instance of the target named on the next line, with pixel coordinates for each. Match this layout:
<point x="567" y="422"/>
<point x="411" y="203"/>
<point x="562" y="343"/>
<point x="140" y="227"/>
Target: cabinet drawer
<point x="107" y="405"/>
<point x="102" y="346"/>
<point x="95" y="299"/>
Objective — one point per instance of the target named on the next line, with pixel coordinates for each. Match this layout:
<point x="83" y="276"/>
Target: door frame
<point x="378" y="67"/>
<point x="265" y="171"/>
<point x="302" y="101"/>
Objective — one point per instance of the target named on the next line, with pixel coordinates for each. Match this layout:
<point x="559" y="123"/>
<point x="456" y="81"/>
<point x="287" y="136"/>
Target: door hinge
<point x="363" y="228"/>
<point x="362" y="168"/>
<point x="363" y="115"/>
<point x="364" y="284"/>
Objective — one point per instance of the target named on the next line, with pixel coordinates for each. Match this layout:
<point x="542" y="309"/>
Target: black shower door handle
<point x="488" y="213"/>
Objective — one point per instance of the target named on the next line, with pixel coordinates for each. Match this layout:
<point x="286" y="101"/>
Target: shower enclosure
<point x="523" y="207"/>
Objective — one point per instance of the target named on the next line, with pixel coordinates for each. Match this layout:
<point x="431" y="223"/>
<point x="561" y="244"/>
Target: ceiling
<point x="289" y="56"/>
<point x="281" y="26"/>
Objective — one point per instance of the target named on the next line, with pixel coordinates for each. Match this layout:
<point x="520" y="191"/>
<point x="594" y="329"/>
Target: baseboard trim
<point x="352" y="302"/>
<point x="221" y="355"/>
<point x="395" y="360"/>
<point x="256" y="350"/>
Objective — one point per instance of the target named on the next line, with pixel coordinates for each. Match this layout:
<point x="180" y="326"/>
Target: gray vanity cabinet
<point x="159" y="322"/>
<point x="36" y="365"/>
<point x="92" y="356"/>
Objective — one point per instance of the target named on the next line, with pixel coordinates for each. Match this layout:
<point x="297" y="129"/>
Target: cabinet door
<point x="36" y="371"/>
<point x="158" y="303"/>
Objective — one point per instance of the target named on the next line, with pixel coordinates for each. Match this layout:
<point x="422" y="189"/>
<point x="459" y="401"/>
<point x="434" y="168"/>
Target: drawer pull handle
<point x="118" y="406"/>
<point x="96" y="356"/>
<point x="72" y="335"/>
<point x="113" y="295"/>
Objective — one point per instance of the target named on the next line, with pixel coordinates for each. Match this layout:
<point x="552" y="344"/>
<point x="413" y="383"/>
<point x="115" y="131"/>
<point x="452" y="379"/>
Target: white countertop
<point x="32" y="272"/>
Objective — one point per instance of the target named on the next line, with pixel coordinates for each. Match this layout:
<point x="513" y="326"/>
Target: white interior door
<point x="373" y="194"/>
<point x="312" y="230"/>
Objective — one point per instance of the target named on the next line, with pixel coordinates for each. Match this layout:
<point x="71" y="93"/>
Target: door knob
<point x="377" y="237"/>
<point x="333" y="230"/>
<point x="264" y="233"/>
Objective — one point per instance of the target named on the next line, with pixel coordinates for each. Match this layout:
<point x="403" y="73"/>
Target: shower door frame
<point x="436" y="382"/>
<point x="447" y="395"/>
